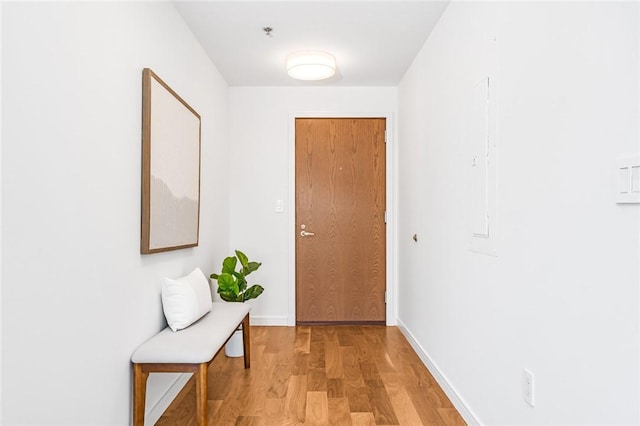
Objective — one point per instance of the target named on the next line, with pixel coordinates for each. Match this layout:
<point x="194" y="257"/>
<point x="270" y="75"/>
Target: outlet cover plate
<point x="528" y="387"/>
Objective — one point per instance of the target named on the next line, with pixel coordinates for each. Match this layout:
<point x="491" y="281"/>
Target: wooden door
<point x="340" y="220"/>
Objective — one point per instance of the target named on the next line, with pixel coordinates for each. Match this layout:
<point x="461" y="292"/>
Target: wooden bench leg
<point x="246" y="341"/>
<point x="201" y="394"/>
<point x="139" y="394"/>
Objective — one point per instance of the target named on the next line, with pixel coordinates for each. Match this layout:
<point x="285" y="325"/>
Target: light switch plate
<point x="627" y="178"/>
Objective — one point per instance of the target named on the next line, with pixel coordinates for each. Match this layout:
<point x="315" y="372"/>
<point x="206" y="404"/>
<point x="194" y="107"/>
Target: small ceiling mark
<point x="267" y="31"/>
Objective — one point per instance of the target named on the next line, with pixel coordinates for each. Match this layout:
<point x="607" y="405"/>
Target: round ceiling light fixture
<point x="311" y="65"/>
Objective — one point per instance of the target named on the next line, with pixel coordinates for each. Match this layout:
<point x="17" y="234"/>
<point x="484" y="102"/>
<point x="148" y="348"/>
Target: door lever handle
<point x="307" y="234"/>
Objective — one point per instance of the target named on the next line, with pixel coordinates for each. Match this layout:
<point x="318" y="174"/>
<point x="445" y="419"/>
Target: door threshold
<point x="341" y="323"/>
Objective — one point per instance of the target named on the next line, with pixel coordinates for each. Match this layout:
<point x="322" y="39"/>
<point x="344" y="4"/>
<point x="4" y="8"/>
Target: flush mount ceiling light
<point x="311" y="65"/>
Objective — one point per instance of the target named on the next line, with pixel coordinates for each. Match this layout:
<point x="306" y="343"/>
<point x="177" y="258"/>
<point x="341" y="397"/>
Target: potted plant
<point x="233" y="287"/>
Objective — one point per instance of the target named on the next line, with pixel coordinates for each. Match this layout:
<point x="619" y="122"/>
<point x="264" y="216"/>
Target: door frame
<point x="391" y="281"/>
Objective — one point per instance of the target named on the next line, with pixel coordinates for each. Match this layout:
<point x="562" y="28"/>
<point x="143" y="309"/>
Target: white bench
<point x="189" y="351"/>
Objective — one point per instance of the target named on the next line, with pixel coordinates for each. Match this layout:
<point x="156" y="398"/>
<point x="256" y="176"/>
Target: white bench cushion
<point x="197" y="343"/>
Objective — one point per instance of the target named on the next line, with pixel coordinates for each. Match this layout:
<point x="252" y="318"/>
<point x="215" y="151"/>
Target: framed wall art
<point x="170" y="168"/>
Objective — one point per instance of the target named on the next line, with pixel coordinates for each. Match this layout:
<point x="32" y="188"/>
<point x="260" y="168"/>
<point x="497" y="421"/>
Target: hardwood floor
<point x="320" y="375"/>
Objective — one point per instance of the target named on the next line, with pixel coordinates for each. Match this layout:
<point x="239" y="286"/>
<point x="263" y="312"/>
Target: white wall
<point x="261" y="173"/>
<point x="77" y="296"/>
<point x="561" y="297"/>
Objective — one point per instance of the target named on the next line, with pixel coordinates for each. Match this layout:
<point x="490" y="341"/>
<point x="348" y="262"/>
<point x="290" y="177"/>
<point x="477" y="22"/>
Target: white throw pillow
<point x="186" y="299"/>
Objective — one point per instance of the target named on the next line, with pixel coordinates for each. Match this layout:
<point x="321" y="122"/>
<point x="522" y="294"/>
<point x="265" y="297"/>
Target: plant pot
<point x="234" y="347"/>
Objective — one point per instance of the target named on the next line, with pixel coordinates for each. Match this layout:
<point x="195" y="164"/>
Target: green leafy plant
<point x="232" y="284"/>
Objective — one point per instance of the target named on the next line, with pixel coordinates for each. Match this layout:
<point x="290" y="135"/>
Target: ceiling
<point x="374" y="42"/>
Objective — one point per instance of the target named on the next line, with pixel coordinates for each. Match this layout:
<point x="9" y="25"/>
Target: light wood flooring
<point x="320" y="375"/>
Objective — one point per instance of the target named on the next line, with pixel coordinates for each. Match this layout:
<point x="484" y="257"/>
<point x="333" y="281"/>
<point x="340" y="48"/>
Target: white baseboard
<point x="264" y="320"/>
<point x="155" y="412"/>
<point x="457" y="401"/>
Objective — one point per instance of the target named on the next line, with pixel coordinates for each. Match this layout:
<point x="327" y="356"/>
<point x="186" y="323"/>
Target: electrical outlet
<point x="528" y="387"/>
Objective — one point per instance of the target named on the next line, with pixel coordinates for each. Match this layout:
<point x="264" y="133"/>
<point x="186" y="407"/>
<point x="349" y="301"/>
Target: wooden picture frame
<point x="170" y="169"/>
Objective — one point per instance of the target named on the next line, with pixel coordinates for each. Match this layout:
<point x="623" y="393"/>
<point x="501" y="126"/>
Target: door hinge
<point x="385" y="135"/>
<point x="385" y="296"/>
<point x="385" y="216"/>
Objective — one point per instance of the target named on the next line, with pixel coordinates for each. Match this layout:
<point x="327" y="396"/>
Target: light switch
<point x="623" y="180"/>
<point x="279" y="206"/>
<point x="635" y="179"/>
